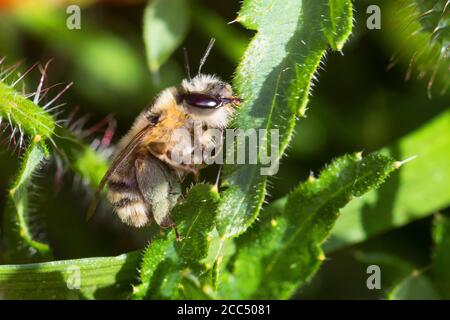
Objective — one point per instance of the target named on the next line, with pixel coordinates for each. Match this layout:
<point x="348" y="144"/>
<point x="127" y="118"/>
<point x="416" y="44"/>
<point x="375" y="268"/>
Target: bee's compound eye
<point x="202" y="100"/>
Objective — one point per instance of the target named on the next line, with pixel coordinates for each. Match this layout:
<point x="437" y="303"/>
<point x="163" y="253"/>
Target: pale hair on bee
<point x="143" y="180"/>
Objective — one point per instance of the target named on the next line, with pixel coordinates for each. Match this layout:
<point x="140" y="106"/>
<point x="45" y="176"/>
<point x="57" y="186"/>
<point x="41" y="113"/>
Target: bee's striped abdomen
<point x="127" y="200"/>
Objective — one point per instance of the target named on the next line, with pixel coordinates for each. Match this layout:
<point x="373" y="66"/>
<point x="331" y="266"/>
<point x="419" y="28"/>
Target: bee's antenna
<point x="186" y="63"/>
<point x="205" y="55"/>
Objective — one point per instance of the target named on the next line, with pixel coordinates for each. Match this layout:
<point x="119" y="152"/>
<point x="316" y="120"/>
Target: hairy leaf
<point x="274" y="79"/>
<point x="421" y="188"/>
<point x="167" y="260"/>
<point x="19" y="243"/>
<point x="27" y="117"/>
<point x="283" y="251"/>
<point x="158" y="251"/>
<point x="196" y="221"/>
<point x="34" y="127"/>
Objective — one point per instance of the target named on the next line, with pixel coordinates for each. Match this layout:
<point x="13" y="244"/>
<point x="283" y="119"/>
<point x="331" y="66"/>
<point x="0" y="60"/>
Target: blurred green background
<point x="358" y="104"/>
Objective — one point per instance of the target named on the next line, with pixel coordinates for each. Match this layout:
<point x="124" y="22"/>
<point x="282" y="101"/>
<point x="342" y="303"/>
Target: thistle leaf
<point x="281" y="252"/>
<point x="421" y="188"/>
<point x="167" y="261"/>
<point x="37" y="127"/>
<point x="23" y="114"/>
<point x="19" y="243"/>
<point x="274" y="79"/>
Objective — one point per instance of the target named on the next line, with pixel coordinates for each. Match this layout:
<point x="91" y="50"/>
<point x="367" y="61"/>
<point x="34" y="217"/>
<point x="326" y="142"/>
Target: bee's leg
<point x="179" y="166"/>
<point x="159" y="150"/>
<point x="159" y="187"/>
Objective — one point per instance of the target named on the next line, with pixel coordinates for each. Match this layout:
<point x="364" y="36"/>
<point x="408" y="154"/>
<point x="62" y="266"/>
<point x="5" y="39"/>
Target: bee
<point x="144" y="182"/>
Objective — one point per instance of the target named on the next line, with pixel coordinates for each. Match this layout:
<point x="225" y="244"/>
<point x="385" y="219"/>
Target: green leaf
<point x="274" y="79"/>
<point x="165" y="26"/>
<point x="190" y="288"/>
<point x="36" y="127"/>
<point x="19" y="243"/>
<point x="100" y="278"/>
<point x="440" y="266"/>
<point x="156" y="253"/>
<point x="416" y="286"/>
<point x="25" y="115"/>
<point x="281" y="252"/>
<point x="195" y="220"/>
<point x="421" y="188"/>
<point x="166" y="261"/>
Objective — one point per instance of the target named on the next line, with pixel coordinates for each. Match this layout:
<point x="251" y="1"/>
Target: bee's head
<point x="209" y="99"/>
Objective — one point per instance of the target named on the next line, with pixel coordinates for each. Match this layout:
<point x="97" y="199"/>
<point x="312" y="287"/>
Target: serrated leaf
<point x="100" y="278"/>
<point x="158" y="251"/>
<point x="24" y="114"/>
<point x="166" y="259"/>
<point x="281" y="252"/>
<point x="421" y="188"/>
<point x="165" y="26"/>
<point x="19" y="243"/>
<point x="441" y="255"/>
<point x="196" y="218"/>
<point x="274" y="79"/>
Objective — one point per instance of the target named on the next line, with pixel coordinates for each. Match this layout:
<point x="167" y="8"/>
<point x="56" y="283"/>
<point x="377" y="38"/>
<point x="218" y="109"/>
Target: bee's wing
<point x="159" y="187"/>
<point x="118" y="160"/>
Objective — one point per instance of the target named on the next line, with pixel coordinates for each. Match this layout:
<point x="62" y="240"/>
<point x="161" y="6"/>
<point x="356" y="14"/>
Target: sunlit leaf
<point x="101" y="278"/>
<point x="274" y="79"/>
<point x="421" y="188"/>
<point x="167" y="260"/>
<point x="281" y="252"/>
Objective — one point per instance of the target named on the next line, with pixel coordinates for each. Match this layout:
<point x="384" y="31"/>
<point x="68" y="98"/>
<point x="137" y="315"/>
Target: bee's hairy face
<point x="208" y="98"/>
